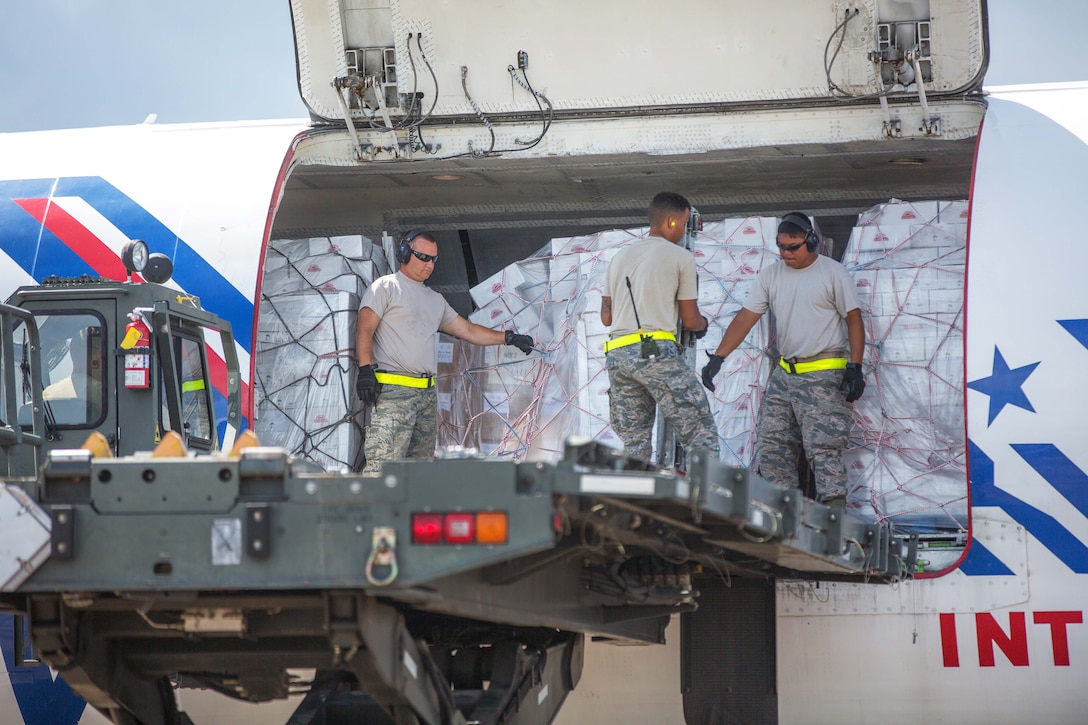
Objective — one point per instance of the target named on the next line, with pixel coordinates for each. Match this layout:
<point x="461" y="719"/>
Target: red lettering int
<point x="1014" y="643"/>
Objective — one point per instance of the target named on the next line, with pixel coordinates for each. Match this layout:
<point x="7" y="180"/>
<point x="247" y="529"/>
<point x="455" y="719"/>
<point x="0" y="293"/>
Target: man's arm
<point x="476" y="334"/>
<point x="690" y="317"/>
<point x="855" y="333"/>
<point x="364" y="335"/>
<point x="366" y="382"/>
<point x="738" y="329"/>
<point x="734" y="335"/>
<point x="606" y="311"/>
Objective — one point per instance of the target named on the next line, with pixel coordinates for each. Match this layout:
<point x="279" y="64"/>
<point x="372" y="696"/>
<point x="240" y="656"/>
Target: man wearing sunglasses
<point x="399" y="322"/>
<point x="821" y="339"/>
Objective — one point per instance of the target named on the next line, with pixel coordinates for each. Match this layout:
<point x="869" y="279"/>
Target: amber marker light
<point x="492" y="527"/>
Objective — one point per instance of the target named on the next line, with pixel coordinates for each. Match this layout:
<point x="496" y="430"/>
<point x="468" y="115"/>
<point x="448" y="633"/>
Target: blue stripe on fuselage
<point x="42" y="700"/>
<point x="37" y="250"/>
<point x="1044" y="527"/>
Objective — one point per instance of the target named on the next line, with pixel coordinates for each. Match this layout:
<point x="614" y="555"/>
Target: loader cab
<point x="128" y="360"/>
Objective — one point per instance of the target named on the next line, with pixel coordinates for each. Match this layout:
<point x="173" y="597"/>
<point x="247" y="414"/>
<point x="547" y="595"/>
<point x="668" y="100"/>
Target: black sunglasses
<point x="790" y="247"/>
<point x="424" y="257"/>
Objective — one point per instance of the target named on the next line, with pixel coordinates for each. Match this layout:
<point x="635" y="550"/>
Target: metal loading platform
<point x="730" y="512"/>
<point x="224" y="572"/>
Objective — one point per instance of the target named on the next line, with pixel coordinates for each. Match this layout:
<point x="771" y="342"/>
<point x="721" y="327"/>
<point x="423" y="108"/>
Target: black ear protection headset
<point x="812" y="240"/>
<point x="404" y="247"/>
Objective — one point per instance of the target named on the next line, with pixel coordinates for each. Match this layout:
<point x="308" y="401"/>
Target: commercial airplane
<point x="997" y="636"/>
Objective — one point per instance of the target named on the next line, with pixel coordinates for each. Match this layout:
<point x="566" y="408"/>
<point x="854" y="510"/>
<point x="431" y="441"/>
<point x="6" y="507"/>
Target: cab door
<point x="78" y="378"/>
<point x="185" y="387"/>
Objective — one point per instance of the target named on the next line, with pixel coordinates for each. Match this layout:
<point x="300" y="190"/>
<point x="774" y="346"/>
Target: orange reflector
<point x="98" y="445"/>
<point x="246" y="439"/>
<point x="492" y="527"/>
<point x="171" y="446"/>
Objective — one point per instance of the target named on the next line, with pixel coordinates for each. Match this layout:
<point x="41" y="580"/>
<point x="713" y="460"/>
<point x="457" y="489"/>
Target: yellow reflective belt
<point x="406" y="381"/>
<point x="831" y="363"/>
<point x="625" y="340"/>
<point x="192" y="385"/>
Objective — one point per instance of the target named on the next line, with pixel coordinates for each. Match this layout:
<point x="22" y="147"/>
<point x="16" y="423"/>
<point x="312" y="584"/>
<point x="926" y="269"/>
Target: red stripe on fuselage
<point x="76" y="237"/>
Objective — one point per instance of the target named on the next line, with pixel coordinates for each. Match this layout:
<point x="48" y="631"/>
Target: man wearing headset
<point x="821" y="339"/>
<point x="399" y="321"/>
<point x="649" y="284"/>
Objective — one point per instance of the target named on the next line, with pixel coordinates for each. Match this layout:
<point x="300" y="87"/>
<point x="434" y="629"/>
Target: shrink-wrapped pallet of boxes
<point x="729" y="254"/>
<point x="527" y="406"/>
<point x="907" y="460"/>
<point x="305" y="353"/>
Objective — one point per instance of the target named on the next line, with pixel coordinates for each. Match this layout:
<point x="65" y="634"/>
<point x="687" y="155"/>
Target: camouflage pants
<point x="806" y="410"/>
<point x="639" y="386"/>
<point x="402" y="425"/>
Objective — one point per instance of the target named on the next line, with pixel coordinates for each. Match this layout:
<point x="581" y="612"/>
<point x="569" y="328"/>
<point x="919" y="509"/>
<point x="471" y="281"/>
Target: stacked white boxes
<point x="326" y="264"/>
<point x="527" y="406"/>
<point x="530" y="406"/>
<point x="305" y="356"/>
<point x="907" y="456"/>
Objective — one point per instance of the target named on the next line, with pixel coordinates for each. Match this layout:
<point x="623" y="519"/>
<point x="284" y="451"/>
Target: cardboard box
<point x="353" y="246"/>
<point x="506" y="279"/>
<point x="596" y="242"/>
<point x="897" y="212"/>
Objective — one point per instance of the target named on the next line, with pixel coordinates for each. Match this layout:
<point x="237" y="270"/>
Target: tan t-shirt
<point x="411" y="316"/>
<point x="809" y="305"/>
<point x="661" y="273"/>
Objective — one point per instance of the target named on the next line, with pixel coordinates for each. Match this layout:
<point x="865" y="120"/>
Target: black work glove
<point x="521" y="342"/>
<point x="853" y="382"/>
<point x="706" y="328"/>
<point x="711" y="369"/>
<point x="366" y="385"/>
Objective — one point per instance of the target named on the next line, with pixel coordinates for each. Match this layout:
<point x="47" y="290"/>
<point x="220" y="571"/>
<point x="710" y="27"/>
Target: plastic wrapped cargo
<point x="729" y="254"/>
<point x="907" y="459"/>
<point x="305" y="353"/>
<point x="329" y="264"/>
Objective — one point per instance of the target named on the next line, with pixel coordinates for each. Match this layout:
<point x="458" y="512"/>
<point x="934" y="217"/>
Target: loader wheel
<point x="168" y="706"/>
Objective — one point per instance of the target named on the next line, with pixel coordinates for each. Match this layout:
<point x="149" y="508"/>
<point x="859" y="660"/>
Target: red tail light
<point x="427" y="528"/>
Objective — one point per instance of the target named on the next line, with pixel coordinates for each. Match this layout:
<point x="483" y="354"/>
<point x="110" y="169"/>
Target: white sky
<point x="72" y="63"/>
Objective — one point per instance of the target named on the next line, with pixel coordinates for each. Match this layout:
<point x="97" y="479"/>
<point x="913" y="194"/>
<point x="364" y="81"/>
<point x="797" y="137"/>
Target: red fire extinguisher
<point x="137" y="347"/>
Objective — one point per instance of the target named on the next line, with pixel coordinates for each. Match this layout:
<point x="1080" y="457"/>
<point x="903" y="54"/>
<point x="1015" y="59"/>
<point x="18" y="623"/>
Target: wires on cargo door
<point x="837" y="91"/>
<point x="523" y="81"/>
<point x="545" y="118"/>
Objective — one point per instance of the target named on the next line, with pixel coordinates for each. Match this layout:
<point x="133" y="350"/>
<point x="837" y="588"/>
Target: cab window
<point x="73" y="369"/>
<point x="195" y="404"/>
